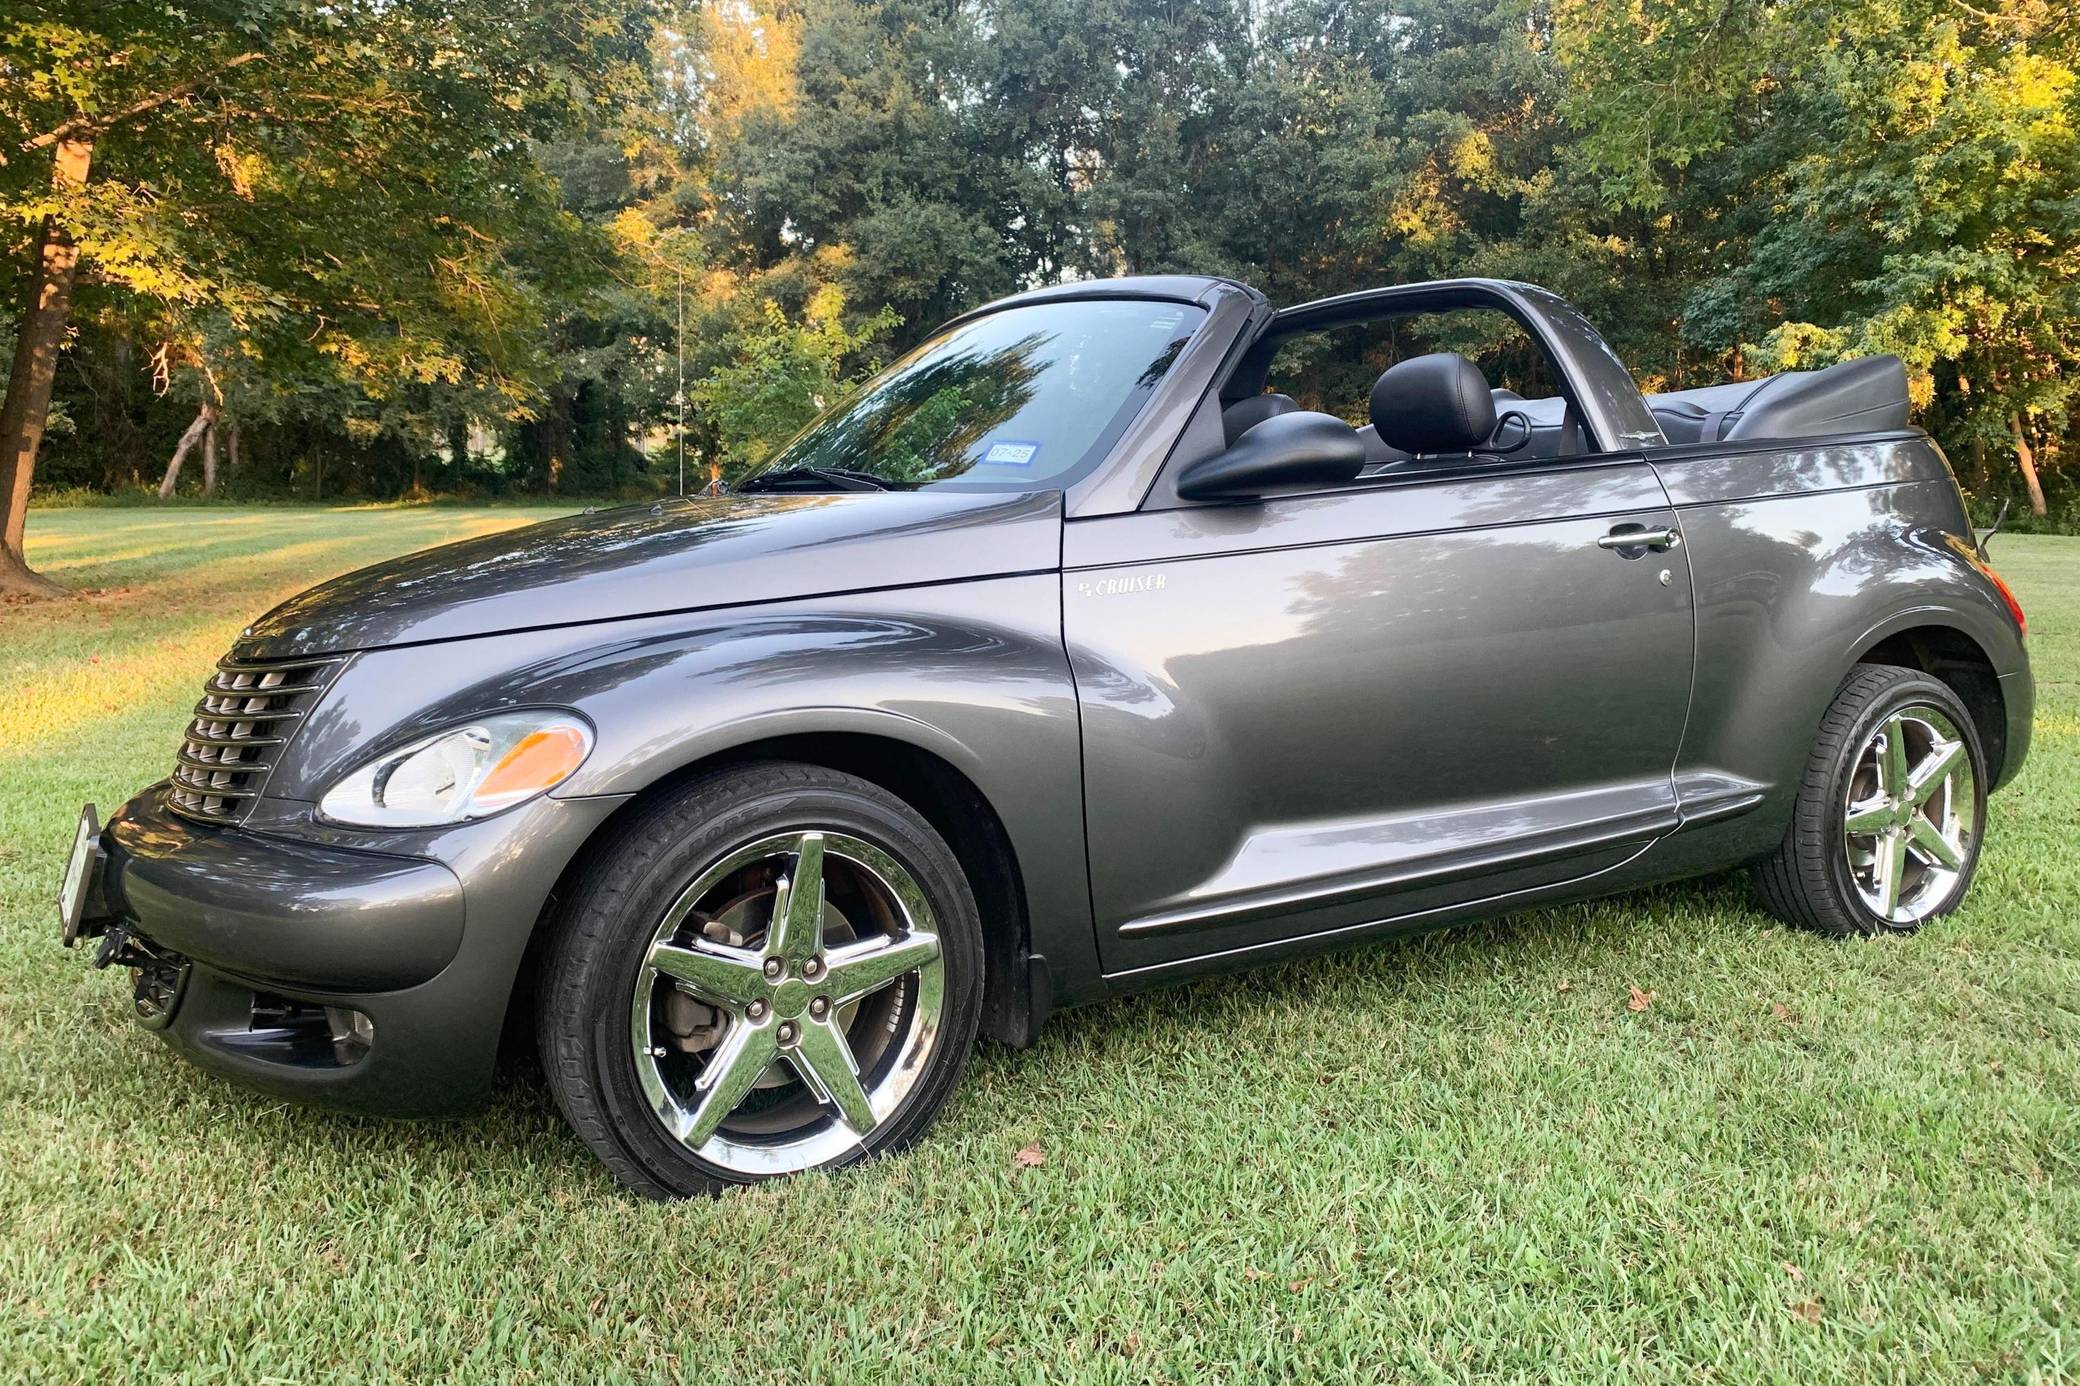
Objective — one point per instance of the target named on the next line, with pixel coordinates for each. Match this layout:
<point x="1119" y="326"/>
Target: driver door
<point x="1319" y="712"/>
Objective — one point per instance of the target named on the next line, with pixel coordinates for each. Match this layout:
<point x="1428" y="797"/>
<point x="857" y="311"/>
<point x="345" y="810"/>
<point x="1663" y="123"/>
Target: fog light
<point x="352" y="1033"/>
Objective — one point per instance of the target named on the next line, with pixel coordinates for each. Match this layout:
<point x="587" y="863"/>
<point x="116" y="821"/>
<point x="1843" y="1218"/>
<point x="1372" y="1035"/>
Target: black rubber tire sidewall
<point x="606" y="926"/>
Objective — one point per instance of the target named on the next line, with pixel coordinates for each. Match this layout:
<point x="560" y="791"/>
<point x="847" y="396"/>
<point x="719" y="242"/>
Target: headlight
<point x="470" y="772"/>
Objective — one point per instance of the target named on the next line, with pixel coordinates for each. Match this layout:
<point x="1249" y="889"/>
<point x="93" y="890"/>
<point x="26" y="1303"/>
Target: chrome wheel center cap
<point x="791" y="998"/>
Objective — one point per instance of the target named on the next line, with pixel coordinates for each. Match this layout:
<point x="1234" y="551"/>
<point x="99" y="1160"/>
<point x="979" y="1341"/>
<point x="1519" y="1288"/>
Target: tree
<point x="360" y="230"/>
<point x="1895" y="176"/>
<point x="346" y="183"/>
<point x="783" y="373"/>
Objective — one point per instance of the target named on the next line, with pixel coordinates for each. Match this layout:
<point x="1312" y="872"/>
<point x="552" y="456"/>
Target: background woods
<point x="390" y="247"/>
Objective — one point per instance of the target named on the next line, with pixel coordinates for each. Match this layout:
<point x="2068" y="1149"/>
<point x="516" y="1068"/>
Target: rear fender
<point x="1792" y="590"/>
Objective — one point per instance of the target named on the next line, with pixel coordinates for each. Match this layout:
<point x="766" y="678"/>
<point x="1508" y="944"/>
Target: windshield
<point x="1023" y="399"/>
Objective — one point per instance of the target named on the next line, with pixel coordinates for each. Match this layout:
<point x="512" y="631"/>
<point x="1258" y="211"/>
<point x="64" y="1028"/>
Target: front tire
<point x="776" y="968"/>
<point x="1890" y="817"/>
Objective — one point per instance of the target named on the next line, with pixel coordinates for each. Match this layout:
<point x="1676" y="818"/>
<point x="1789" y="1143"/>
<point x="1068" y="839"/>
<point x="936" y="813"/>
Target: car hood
<point x="676" y="555"/>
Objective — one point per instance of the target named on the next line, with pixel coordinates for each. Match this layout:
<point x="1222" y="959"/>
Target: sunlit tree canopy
<point x="407" y="245"/>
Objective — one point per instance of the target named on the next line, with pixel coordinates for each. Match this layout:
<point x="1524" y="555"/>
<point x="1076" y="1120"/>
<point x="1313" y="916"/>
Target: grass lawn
<point x="1461" y="1156"/>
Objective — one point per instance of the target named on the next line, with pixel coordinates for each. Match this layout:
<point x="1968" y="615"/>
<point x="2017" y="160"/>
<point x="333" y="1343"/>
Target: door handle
<point x="1660" y="540"/>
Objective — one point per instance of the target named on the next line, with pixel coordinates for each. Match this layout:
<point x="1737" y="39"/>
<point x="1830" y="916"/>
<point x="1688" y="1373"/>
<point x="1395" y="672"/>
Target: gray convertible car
<point x="1070" y="656"/>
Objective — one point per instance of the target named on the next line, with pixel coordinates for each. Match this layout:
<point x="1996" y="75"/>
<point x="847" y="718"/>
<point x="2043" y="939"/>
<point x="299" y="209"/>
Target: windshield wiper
<point x="835" y="477"/>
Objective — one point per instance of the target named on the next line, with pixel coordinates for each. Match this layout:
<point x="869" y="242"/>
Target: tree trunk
<point x="119" y="463"/>
<point x="209" y="461"/>
<point x="46" y="307"/>
<point x="204" y="417"/>
<point x="231" y="444"/>
<point x="2027" y="460"/>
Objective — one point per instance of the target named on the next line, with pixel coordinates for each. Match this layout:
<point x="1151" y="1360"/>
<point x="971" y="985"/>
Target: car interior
<point x="1428" y="406"/>
<point x="1425" y="391"/>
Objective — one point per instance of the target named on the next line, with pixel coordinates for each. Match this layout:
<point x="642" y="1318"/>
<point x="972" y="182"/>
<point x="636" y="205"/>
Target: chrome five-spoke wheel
<point x="788" y="1001"/>
<point x="1910" y="823"/>
<point x="1886" y="829"/>
<point x="772" y="968"/>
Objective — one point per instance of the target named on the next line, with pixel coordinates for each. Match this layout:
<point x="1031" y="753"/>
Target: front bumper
<point x="366" y="979"/>
<point x="279" y="910"/>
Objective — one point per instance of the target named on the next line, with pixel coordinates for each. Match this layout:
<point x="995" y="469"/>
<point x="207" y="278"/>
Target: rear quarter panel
<point x="1803" y="558"/>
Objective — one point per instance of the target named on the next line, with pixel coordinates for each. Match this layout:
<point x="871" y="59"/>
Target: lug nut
<point x="756" y="1010"/>
<point x="787" y="1032"/>
<point x="774" y="967"/>
<point x="812" y="968"/>
<point x="820" y="1007"/>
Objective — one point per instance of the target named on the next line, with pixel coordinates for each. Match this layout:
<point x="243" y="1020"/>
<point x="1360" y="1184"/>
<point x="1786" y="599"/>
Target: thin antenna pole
<point x="679" y="343"/>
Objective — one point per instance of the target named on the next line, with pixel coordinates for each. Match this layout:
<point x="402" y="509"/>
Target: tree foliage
<point x="283" y="200"/>
<point x="783" y="372"/>
<point x="1898" y="176"/>
<point x="459" y="241"/>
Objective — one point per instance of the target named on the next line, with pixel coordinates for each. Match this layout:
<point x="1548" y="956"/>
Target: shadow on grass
<point x="518" y="1131"/>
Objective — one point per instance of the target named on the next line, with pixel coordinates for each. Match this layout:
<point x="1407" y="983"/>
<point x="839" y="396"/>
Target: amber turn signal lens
<point x="540" y="761"/>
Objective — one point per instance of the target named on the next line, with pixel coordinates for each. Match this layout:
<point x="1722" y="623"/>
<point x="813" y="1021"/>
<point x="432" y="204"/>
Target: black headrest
<point x="1433" y="404"/>
<point x="1245" y="414"/>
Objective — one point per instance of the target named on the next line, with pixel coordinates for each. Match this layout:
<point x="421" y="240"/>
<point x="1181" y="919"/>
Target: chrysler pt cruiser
<point x="1121" y="632"/>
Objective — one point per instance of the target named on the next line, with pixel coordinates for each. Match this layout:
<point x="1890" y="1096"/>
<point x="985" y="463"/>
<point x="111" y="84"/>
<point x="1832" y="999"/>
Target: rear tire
<point x="776" y="967"/>
<point x="1889" y="820"/>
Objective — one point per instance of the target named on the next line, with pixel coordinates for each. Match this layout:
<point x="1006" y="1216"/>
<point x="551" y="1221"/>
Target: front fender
<point x="973" y="673"/>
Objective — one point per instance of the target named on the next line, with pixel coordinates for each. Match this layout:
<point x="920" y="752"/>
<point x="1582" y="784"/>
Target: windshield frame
<point x="1132" y="407"/>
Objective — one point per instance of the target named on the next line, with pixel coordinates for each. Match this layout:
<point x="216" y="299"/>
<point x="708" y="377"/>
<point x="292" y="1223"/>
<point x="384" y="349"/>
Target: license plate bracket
<point x="82" y="875"/>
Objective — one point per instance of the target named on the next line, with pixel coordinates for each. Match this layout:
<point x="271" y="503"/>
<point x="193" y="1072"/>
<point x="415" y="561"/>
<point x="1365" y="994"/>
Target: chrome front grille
<point x="249" y="709"/>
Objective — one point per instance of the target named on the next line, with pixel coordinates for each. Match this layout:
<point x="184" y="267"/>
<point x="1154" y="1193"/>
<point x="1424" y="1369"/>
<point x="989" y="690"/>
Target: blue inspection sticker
<point x="1011" y="453"/>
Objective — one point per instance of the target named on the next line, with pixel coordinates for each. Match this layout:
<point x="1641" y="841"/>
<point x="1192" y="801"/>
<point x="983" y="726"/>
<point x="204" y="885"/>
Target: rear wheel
<point x="1887" y="828"/>
<point x="778" y="969"/>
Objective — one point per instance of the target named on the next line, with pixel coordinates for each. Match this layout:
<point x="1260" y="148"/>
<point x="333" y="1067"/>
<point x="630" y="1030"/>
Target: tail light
<point x="2008" y="596"/>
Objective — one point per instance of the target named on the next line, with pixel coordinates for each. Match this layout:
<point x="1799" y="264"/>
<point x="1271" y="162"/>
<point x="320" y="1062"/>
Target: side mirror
<point x="1301" y="449"/>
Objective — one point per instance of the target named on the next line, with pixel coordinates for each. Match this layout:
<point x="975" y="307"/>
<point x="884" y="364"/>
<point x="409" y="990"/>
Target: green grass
<point x="1448" y="1158"/>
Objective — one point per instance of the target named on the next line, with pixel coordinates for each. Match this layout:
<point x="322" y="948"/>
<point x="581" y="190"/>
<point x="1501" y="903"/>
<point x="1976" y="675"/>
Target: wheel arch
<point x="1950" y="655"/>
<point x="889" y="753"/>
